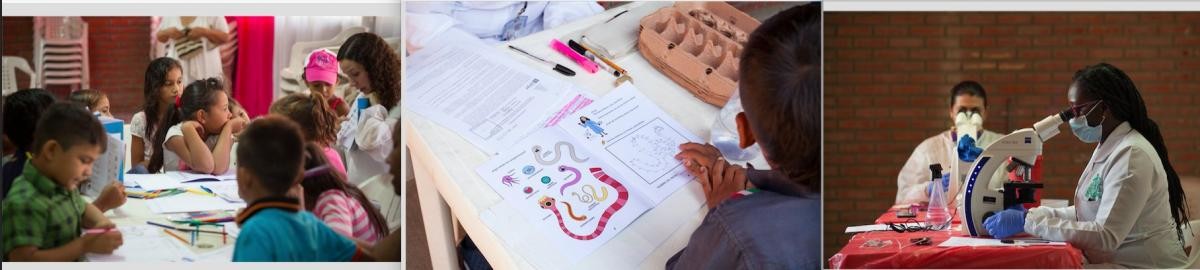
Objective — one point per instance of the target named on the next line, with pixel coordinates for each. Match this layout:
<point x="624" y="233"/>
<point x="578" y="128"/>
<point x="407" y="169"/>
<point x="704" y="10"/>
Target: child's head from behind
<point x="780" y="88"/>
<point x="372" y="66"/>
<point x="312" y="113"/>
<point x="270" y="156"/>
<point x="67" y="140"/>
<point x="21" y="113"/>
<point x="321" y="71"/>
<point x="94" y="100"/>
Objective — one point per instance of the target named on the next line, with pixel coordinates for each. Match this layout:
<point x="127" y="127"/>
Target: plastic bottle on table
<point x="937" y="217"/>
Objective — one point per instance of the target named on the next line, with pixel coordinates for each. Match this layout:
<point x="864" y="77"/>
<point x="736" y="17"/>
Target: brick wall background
<point x="888" y="77"/>
<point x="119" y="50"/>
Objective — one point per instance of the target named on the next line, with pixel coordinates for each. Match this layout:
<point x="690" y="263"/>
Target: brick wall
<point x="888" y="76"/>
<point x="119" y="50"/>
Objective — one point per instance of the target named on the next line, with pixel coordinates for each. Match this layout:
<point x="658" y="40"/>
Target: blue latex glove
<point x="967" y="151"/>
<point x="1007" y="223"/>
<point x="945" y="185"/>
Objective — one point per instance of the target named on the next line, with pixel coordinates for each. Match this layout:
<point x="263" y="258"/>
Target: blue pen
<point x="208" y="190"/>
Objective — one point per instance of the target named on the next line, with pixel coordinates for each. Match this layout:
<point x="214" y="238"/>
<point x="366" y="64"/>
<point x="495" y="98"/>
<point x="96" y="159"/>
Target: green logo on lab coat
<point x="1095" y="189"/>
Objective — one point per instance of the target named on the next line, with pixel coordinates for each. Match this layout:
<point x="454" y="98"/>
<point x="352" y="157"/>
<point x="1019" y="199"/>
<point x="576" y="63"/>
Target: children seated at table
<point x="44" y="217"/>
<point x="342" y="206"/>
<point x="200" y="137"/>
<point x="274" y="226"/>
<point x="767" y="218"/>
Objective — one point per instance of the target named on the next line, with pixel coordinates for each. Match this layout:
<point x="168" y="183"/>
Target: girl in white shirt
<point x="200" y="137"/>
<point x="374" y="68"/>
<point x="162" y="83"/>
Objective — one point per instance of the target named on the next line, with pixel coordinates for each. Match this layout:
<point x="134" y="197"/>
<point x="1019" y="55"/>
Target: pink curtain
<point x="253" y="74"/>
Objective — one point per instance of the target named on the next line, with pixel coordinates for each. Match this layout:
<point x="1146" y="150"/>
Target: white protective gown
<point x="1126" y="220"/>
<point x="914" y="178"/>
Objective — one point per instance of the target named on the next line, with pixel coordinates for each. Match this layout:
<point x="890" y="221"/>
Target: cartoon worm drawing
<point x="572" y="213"/>
<point x="583" y="198"/>
<point x="562" y="168"/>
<point x="622" y="196"/>
<point x="593" y="192"/>
<point x="558" y="147"/>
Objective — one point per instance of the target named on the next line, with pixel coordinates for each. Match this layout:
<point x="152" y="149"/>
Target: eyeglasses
<point x="1077" y="110"/>
<point x="909" y="225"/>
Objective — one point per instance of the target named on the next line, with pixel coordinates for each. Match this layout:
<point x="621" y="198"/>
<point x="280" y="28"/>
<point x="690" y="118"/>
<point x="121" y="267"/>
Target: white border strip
<point x="853" y="5"/>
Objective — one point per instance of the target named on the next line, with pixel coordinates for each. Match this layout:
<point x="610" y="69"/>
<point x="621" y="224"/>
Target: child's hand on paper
<point x="111" y="197"/>
<point x="718" y="178"/>
<point x="102" y="243"/>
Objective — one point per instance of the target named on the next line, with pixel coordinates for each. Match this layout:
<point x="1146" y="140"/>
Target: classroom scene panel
<point x="1011" y="139"/>
<point x="201" y="139"/>
<point x="615" y="135"/>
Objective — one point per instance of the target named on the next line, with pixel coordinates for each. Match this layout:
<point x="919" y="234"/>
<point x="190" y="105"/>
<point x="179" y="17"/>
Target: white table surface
<point x="444" y="164"/>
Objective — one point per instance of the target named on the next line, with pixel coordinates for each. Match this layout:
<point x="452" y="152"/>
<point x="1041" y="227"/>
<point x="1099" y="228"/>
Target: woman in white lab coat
<point x="1129" y="203"/>
<point x="373" y="67"/>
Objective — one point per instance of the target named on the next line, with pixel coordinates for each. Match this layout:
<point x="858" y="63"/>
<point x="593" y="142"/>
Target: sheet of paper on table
<point x="485" y="96"/>
<point x="190" y="202"/>
<point x="989" y="242"/>
<point x="587" y="178"/>
<point x="867" y="228"/>
<point x="172" y="180"/>
<point x="145" y="243"/>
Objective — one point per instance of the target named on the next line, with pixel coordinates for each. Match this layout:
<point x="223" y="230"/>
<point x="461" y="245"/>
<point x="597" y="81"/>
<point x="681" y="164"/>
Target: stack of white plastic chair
<point x="60" y="51"/>
<point x="11" y="65"/>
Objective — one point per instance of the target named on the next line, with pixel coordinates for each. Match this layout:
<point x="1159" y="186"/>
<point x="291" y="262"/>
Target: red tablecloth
<point x="890" y="216"/>
<point x="901" y="253"/>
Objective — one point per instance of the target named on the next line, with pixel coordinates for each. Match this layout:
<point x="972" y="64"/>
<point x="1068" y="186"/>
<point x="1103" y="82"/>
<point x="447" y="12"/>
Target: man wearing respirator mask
<point x="963" y="142"/>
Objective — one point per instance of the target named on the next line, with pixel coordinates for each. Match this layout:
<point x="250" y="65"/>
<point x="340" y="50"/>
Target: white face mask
<point x="1083" y="131"/>
<point x="968" y="123"/>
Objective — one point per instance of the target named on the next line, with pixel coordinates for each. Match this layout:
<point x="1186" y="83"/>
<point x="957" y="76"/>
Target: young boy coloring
<point x="44" y="217"/>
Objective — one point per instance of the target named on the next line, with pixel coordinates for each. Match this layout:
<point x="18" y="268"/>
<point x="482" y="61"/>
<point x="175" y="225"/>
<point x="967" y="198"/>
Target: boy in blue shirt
<point x="274" y="226"/>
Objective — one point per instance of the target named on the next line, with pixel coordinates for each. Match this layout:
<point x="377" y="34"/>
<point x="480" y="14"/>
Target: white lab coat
<point x="939" y="149"/>
<point x="1130" y="223"/>
<point x="366" y="138"/>
<point x="486" y="19"/>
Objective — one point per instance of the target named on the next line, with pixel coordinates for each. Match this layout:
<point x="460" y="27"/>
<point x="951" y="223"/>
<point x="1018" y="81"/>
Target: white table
<point x="135" y="212"/>
<point x="451" y="193"/>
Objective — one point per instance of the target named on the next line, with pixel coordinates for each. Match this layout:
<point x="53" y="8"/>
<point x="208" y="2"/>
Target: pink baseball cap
<point x="321" y="66"/>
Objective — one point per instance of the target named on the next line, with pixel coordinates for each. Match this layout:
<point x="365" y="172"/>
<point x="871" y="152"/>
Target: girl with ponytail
<point x="317" y="120"/>
<point x="1129" y="205"/>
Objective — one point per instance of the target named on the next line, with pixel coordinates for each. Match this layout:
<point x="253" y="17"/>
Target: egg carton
<point x="698" y="45"/>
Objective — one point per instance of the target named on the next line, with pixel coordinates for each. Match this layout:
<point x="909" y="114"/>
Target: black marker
<point x="557" y="67"/>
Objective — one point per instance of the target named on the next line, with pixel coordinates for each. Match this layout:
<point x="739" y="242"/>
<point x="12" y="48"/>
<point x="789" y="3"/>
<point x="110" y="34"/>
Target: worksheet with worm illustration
<point x="583" y="181"/>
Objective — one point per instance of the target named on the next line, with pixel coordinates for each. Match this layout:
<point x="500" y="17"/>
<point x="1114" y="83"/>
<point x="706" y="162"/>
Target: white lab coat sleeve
<point x="914" y="177"/>
<point x="374" y="133"/>
<point x="559" y="13"/>
<point x="1067" y="213"/>
<point x="1126" y="190"/>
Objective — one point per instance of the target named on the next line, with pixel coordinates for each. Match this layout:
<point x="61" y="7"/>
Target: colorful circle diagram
<point x="528" y="170"/>
<point x="545" y="180"/>
<point x="528" y="190"/>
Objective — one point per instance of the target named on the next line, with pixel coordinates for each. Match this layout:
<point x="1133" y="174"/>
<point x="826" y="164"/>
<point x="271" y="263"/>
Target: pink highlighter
<point x="562" y="48"/>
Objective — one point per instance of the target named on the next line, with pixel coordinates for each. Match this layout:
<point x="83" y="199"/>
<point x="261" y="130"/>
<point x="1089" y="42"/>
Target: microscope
<point x="1019" y="153"/>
